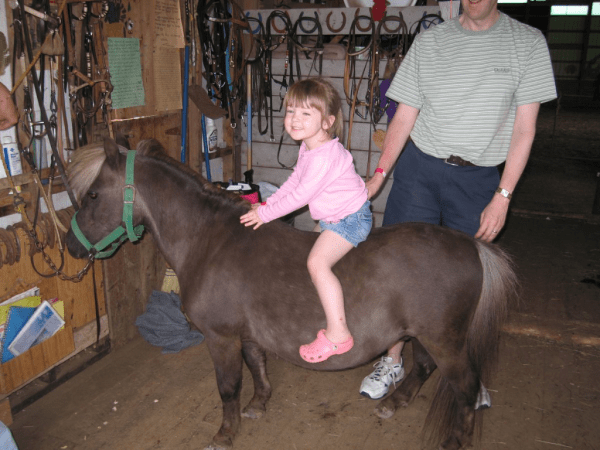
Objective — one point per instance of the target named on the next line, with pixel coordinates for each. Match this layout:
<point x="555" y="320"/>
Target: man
<point x="8" y="112"/>
<point x="469" y="91"/>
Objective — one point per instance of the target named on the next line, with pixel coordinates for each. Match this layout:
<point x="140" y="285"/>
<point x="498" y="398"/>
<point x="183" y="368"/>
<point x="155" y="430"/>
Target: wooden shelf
<point x="24" y="179"/>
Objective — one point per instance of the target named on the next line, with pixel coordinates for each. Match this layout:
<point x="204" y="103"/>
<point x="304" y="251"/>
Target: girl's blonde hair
<point x="320" y="94"/>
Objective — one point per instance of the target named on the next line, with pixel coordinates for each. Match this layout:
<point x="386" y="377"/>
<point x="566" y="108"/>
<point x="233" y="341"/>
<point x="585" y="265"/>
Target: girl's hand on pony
<point x="251" y="218"/>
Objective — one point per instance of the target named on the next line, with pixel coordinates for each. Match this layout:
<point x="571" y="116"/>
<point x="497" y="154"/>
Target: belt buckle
<point x="447" y="161"/>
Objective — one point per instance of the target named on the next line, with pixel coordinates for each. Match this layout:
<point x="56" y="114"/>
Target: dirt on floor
<point x="545" y="394"/>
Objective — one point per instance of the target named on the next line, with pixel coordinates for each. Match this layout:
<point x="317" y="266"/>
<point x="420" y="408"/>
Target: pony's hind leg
<point x="256" y="359"/>
<point x="227" y="359"/>
<point x="423" y="367"/>
<point x="451" y="418"/>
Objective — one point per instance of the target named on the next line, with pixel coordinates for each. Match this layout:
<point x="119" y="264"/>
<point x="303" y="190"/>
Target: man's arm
<point x="395" y="138"/>
<point x="493" y="216"/>
<point x="8" y="112"/>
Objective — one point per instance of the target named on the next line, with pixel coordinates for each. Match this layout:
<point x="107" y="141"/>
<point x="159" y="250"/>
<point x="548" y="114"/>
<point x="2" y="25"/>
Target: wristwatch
<point x="504" y="193"/>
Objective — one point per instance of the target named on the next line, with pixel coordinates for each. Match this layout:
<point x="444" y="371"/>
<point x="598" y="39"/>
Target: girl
<point x="326" y="180"/>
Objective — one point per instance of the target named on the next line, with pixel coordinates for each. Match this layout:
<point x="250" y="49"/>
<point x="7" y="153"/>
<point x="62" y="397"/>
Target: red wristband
<point x="380" y="170"/>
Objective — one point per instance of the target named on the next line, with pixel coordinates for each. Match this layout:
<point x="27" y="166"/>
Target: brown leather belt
<point x="454" y="160"/>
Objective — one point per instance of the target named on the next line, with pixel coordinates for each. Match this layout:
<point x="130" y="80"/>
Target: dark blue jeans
<point x="426" y="189"/>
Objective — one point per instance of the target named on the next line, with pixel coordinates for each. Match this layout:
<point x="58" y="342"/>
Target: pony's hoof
<point x="384" y="412"/>
<point x="452" y="444"/>
<point x="220" y="442"/>
<point x="216" y="447"/>
<point x="251" y="413"/>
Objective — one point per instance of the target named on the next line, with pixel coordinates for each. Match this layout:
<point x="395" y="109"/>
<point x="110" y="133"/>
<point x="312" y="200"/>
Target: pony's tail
<point x="498" y="292"/>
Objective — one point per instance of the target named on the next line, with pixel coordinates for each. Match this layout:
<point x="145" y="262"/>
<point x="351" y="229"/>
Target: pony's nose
<point x="76" y="248"/>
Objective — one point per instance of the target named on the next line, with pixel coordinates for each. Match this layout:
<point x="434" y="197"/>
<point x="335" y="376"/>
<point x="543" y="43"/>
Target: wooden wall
<point x="80" y="312"/>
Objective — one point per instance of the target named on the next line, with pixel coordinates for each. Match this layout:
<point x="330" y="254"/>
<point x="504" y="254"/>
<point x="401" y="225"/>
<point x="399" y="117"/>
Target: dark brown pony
<point x="250" y="292"/>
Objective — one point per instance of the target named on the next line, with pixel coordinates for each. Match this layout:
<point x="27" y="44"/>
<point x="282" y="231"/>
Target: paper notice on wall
<point x="167" y="25"/>
<point x="124" y="61"/>
<point x="167" y="76"/>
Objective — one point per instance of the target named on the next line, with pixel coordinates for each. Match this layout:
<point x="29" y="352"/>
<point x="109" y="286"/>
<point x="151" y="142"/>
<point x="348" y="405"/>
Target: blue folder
<point x="17" y="318"/>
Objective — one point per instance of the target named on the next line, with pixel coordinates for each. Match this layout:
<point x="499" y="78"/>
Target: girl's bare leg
<point x="328" y="250"/>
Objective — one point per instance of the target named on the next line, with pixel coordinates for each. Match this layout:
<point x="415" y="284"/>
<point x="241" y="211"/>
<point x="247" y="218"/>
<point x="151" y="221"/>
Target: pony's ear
<point x="112" y="153"/>
<point x="122" y="140"/>
<point x="149" y="147"/>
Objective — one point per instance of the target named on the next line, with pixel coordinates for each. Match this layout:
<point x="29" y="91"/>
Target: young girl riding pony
<point x="324" y="179"/>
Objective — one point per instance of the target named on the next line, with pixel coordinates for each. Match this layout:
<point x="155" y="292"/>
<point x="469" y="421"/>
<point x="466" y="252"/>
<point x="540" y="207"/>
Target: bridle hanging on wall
<point x="260" y="104"/>
<point x="351" y="88"/>
<point x="394" y="51"/>
<point x="39" y="229"/>
<point x="317" y="49"/>
<point x="220" y="27"/>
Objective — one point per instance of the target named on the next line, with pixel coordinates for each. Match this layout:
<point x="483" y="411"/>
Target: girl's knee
<point x="317" y="268"/>
<point x="314" y="267"/>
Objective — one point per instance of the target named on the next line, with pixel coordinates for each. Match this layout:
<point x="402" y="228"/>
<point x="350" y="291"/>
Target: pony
<point x="250" y="293"/>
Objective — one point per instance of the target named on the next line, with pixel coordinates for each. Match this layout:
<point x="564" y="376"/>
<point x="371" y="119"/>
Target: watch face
<point x="503" y="192"/>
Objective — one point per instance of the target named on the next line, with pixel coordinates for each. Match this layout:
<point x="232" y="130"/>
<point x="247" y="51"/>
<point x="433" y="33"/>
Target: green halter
<point x="120" y="234"/>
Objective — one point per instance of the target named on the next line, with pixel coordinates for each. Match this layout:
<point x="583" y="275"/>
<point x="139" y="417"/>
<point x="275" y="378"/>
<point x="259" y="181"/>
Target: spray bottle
<point x="11" y="156"/>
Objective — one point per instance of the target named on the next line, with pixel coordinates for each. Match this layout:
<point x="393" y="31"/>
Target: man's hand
<point x="374" y="184"/>
<point x="492" y="218"/>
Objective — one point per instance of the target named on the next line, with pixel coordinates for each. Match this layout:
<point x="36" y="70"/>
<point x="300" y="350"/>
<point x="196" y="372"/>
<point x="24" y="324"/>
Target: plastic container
<point x="11" y="155"/>
<point x="211" y="135"/>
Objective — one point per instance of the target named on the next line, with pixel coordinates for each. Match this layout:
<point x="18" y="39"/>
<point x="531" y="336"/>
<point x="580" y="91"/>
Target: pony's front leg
<point x="256" y="359"/>
<point x="423" y="367"/>
<point x="226" y="353"/>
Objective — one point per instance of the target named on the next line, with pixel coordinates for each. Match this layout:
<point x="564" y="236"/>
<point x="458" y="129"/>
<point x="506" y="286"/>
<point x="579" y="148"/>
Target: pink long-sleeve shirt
<point x="324" y="179"/>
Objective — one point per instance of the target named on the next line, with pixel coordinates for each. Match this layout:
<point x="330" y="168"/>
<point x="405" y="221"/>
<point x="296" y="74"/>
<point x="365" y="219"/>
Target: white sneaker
<point x="377" y="385"/>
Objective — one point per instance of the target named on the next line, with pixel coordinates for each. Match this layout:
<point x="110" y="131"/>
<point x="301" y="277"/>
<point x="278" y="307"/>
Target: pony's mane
<point x="85" y="166"/>
<point x="155" y="150"/>
<point x="87" y="161"/>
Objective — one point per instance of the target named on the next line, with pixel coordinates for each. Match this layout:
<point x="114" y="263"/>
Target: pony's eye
<point x="93" y="195"/>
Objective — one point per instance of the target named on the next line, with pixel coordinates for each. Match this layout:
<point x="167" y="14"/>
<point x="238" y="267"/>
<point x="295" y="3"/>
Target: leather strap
<point x="454" y="160"/>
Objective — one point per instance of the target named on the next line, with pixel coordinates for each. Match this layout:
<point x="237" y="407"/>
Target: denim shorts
<point x="355" y="227"/>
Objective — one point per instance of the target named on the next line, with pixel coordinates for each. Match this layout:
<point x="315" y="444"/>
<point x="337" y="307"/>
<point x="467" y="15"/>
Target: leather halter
<point x="119" y="234"/>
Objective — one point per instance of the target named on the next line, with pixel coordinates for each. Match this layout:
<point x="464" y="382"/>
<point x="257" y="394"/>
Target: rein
<point x="119" y="234"/>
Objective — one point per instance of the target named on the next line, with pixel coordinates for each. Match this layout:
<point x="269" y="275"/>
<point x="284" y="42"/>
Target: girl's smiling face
<point x="306" y="123"/>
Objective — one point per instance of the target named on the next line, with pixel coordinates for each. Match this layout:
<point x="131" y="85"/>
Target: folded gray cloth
<point x="164" y="324"/>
